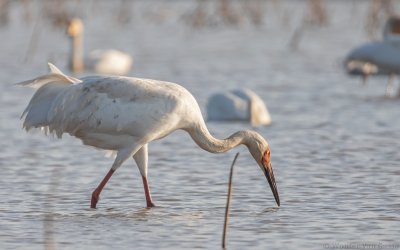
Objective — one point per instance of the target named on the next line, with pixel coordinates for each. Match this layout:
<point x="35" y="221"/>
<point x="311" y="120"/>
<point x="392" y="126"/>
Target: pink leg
<point x="147" y="193"/>
<point x="97" y="191"/>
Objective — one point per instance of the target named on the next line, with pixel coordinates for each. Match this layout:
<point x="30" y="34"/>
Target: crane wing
<point x="114" y="106"/>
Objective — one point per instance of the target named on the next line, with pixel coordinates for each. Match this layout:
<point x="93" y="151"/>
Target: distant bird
<point x="124" y="114"/>
<point x="110" y="61"/>
<point x="238" y="105"/>
<point x="378" y="58"/>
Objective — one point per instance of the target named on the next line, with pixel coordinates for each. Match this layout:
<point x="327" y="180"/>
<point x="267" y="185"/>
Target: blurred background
<point x="334" y="141"/>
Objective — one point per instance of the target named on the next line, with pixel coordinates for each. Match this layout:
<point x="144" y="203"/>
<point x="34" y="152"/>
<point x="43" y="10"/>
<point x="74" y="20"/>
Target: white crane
<point x="124" y="114"/>
<point x="109" y="61"/>
<point x="238" y="105"/>
<point x="378" y="58"/>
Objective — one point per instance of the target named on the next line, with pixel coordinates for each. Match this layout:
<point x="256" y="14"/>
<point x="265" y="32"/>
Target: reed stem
<point x="228" y="203"/>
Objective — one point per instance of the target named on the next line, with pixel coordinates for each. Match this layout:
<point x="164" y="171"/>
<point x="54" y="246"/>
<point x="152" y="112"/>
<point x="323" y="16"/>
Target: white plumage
<point x="238" y="105"/>
<point x="124" y="114"/>
<point x="109" y="61"/>
<point x="377" y="58"/>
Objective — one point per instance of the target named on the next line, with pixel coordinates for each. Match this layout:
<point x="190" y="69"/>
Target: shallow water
<point x="334" y="144"/>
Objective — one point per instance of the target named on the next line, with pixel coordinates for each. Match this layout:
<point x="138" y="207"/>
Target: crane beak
<point x="269" y="173"/>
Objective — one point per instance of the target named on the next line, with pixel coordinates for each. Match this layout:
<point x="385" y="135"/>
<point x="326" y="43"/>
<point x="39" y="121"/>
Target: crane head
<point x="269" y="173"/>
<point x="260" y="151"/>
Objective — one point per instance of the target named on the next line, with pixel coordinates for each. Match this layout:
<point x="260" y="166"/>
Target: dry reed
<point x="228" y="203"/>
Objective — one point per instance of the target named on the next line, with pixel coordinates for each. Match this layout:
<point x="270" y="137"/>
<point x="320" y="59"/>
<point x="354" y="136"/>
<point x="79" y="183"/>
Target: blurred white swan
<point x="238" y="105"/>
<point x="113" y="62"/>
<point x="378" y="58"/>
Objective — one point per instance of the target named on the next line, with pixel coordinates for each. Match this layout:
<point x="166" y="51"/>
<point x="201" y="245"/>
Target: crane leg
<point x="364" y="79"/>
<point x="389" y="86"/>
<point x="149" y="202"/>
<point x="141" y="159"/>
<point x="97" y="191"/>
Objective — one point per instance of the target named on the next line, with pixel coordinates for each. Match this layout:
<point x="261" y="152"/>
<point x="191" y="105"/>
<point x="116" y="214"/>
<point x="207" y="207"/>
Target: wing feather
<point x="112" y="105"/>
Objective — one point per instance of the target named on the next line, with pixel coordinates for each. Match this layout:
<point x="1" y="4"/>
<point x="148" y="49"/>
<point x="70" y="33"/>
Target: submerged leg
<point x="389" y="86"/>
<point x="97" y="191"/>
<point x="141" y="159"/>
<point x="364" y="79"/>
<point x="149" y="202"/>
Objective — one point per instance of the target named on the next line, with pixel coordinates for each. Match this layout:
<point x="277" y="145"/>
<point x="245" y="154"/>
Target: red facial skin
<point x="266" y="158"/>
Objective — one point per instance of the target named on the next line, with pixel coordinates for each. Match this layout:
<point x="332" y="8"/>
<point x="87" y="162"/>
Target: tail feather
<point x="49" y="86"/>
<point x="55" y="75"/>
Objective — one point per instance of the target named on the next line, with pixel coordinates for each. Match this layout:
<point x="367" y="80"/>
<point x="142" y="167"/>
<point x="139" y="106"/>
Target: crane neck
<point x="206" y="141"/>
